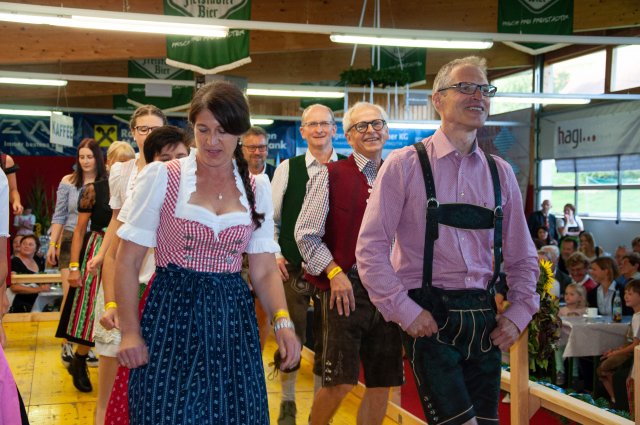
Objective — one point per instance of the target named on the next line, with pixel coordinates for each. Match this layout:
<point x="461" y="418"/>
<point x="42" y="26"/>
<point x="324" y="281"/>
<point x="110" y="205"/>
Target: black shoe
<point x="80" y="373"/>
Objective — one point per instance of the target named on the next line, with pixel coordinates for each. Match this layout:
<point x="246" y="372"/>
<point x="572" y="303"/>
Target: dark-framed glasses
<point x="487" y="90"/>
<point x="323" y="124"/>
<point x="362" y="126"/>
<point x="259" y="148"/>
<point x="144" y="129"/>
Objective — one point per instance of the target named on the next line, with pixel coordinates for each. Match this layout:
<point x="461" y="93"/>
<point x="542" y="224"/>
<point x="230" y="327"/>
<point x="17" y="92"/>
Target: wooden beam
<point x="519" y="364"/>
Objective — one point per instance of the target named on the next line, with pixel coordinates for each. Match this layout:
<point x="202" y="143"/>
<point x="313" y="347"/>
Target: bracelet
<point x="282" y="313"/>
<point x="110" y="304"/>
<point x="282" y="324"/>
<point x="72" y="265"/>
<point x="334" y="271"/>
<point x="52" y="243"/>
<point x="74" y="269"/>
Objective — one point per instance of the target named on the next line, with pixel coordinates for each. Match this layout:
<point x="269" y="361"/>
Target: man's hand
<point x="282" y="268"/>
<point x="342" y="294"/>
<point x="424" y="325"/>
<point x="505" y="333"/>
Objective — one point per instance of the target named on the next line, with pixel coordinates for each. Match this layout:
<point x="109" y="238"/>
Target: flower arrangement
<point x="544" y="329"/>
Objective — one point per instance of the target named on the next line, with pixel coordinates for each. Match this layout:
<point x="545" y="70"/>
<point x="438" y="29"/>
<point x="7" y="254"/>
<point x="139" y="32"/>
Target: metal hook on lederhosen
<point x="462" y="216"/>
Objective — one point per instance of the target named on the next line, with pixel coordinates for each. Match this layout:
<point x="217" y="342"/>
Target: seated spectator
<point x="546" y="256"/>
<point x="568" y="246"/>
<point x="588" y="246"/>
<point x="25" y="222"/>
<point x="630" y="268"/>
<point x="635" y="244"/>
<point x="621" y="251"/>
<point x="543" y="217"/>
<point x="542" y="235"/>
<point x="613" y="359"/>
<point x="27" y="262"/>
<point x="604" y="271"/>
<point x="15" y="245"/>
<point x="570" y="224"/>
<point x="578" y="266"/>
<point x="553" y="252"/>
<point x="576" y="298"/>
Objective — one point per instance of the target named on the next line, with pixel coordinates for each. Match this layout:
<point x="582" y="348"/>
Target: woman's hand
<point x="95" y="263"/>
<point x="52" y="255"/>
<point x="45" y="287"/>
<point x="110" y="320"/>
<point x="74" y="278"/>
<point x="133" y="351"/>
<point x="289" y="347"/>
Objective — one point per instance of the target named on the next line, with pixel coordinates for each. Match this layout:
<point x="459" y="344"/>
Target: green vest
<point x="291" y="206"/>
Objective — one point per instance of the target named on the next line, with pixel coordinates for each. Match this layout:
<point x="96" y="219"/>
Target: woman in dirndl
<point x="78" y="312"/>
<point x="195" y="353"/>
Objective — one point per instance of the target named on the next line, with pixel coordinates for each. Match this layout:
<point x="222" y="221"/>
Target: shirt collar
<point x="363" y="162"/>
<point x="309" y="158"/>
<point x="443" y="147"/>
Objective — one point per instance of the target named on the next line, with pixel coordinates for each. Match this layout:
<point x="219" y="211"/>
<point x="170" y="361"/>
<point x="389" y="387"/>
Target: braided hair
<point x="229" y="106"/>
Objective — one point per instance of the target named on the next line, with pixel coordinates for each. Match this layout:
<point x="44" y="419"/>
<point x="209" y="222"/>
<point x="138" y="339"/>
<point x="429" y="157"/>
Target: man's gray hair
<point x="346" y="119"/>
<point x="552" y="252"/>
<point x="443" y="77"/>
<point x="315" y="105"/>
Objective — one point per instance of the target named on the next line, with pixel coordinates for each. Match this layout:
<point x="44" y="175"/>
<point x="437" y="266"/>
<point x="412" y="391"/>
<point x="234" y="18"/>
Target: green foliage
<point x="42" y="205"/>
<point x="544" y="329"/>
<point x="380" y="77"/>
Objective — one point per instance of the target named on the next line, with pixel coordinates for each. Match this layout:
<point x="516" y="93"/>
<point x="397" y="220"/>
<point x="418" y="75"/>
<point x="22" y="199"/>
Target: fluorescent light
<point x="26" y="112"/>
<point x="32" y="81"/>
<point x="410" y="42"/>
<point x="110" y="21"/>
<point x="544" y="100"/>
<point x="414" y="125"/>
<point x="295" y="93"/>
<point x="261" y="121"/>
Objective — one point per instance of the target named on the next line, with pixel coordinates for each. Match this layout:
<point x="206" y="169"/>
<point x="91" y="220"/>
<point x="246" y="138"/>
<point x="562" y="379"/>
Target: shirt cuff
<point x="137" y="235"/>
<point x="408" y="312"/>
<point x="258" y="246"/>
<point x="518" y="315"/>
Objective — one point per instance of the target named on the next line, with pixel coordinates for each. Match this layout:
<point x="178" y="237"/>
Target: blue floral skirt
<point x="205" y="364"/>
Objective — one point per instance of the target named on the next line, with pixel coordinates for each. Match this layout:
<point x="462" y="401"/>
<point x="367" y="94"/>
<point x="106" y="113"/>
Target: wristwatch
<point x="74" y="269"/>
<point x="283" y="323"/>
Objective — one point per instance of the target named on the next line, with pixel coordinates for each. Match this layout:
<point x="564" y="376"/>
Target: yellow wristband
<point x="334" y="271"/>
<point x="110" y="304"/>
<point x="280" y="314"/>
<point x="74" y="265"/>
<point x="52" y="243"/>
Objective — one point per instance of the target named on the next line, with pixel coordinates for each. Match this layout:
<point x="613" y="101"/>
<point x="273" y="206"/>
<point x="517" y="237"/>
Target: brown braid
<point x="243" y="169"/>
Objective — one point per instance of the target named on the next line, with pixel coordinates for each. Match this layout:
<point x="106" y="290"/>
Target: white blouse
<point x="141" y="212"/>
<point x="122" y="177"/>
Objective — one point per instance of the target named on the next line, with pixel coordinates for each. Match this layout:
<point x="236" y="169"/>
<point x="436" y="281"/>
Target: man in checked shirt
<point x="352" y="329"/>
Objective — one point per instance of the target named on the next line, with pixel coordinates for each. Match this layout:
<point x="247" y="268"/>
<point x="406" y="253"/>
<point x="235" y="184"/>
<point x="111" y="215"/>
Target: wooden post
<point x="519" y="361"/>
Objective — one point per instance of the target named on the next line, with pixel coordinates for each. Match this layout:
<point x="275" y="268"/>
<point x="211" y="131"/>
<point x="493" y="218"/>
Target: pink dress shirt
<point x="462" y="258"/>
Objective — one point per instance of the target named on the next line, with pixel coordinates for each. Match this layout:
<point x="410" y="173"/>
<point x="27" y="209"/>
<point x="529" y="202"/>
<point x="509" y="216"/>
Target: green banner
<point x="209" y="55"/>
<point x="553" y="17"/>
<point x="164" y="96"/>
<point x="410" y="61"/>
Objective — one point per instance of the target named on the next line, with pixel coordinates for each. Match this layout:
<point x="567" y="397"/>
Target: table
<point x="593" y="336"/>
<point x="45" y="298"/>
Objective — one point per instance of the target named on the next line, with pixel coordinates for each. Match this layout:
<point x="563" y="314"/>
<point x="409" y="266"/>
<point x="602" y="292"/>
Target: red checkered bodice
<point x="193" y="245"/>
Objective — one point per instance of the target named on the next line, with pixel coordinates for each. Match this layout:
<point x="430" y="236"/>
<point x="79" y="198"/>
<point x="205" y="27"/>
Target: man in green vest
<point x="289" y="184"/>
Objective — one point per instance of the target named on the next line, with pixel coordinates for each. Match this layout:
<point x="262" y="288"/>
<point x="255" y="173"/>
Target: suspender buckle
<point x="497" y="213"/>
<point x="432" y="203"/>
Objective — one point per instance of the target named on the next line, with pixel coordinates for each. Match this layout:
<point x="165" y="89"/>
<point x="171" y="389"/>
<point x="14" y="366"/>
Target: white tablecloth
<point x="592" y="337"/>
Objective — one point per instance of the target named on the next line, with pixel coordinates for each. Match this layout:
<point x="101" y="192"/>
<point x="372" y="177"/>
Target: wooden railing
<point x="40" y="278"/>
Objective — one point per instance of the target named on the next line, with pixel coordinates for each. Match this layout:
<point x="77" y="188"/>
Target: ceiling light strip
<point x="411" y="42"/>
<point x="33" y="81"/>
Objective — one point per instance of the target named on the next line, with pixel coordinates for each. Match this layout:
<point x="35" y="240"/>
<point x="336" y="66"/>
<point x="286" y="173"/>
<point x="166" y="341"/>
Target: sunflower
<point x="544" y="329"/>
<point x="546" y="277"/>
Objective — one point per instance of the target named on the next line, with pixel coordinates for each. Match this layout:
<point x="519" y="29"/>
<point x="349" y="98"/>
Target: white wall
<point x="609" y="235"/>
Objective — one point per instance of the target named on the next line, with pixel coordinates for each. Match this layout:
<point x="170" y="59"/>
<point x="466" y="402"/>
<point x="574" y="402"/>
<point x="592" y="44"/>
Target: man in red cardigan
<point x="349" y="329"/>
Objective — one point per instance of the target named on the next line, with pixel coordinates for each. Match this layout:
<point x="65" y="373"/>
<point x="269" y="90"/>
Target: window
<point x="625" y="67"/>
<point x="570" y="77"/>
<point x="521" y="82"/>
<point x="600" y="187"/>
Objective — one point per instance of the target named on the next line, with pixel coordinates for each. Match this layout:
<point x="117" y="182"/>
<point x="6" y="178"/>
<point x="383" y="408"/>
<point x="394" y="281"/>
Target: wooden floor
<point x="33" y="353"/>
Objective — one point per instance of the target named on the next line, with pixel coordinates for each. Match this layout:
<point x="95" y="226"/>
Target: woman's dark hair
<point x="35" y="239"/>
<point x="547" y="241"/>
<point x="167" y="135"/>
<point x="77" y="178"/>
<point x="145" y="110"/>
<point x="230" y="108"/>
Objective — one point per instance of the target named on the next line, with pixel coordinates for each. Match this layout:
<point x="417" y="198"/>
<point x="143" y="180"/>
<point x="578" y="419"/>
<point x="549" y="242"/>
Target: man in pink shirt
<point x="438" y="284"/>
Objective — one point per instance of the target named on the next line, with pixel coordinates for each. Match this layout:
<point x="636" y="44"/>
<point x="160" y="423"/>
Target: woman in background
<point x="27" y="262"/>
<point x="64" y="221"/>
<point x="119" y="152"/>
<point x="588" y="246"/>
<point x="570" y="224"/>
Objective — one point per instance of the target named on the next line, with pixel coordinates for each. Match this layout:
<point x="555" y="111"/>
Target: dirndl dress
<point x="199" y="324"/>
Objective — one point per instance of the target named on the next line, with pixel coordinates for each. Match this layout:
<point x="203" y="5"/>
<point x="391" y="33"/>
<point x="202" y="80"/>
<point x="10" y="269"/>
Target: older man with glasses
<point x="255" y="149"/>
<point x="318" y="129"/>
<point x="446" y="203"/>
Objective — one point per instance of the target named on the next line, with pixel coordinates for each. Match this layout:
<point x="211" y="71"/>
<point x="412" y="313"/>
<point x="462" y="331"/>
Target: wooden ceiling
<point x="287" y="58"/>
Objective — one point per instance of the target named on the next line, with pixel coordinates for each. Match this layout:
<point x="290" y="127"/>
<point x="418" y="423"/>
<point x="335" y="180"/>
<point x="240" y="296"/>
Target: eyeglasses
<point x="363" y="126"/>
<point x="144" y="129"/>
<point x="323" y="124"/>
<point x="487" y="90"/>
<point x="259" y="148"/>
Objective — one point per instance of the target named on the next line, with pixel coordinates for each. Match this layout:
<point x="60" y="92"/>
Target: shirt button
<point x="462" y="239"/>
<point x="369" y="190"/>
<point x="461" y="193"/>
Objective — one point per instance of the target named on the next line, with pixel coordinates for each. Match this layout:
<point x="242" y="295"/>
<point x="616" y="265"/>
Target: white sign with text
<point x="61" y="130"/>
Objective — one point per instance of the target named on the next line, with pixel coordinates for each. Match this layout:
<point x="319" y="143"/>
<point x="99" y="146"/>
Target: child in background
<point x="612" y="360"/>
<point x="575" y="297"/>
